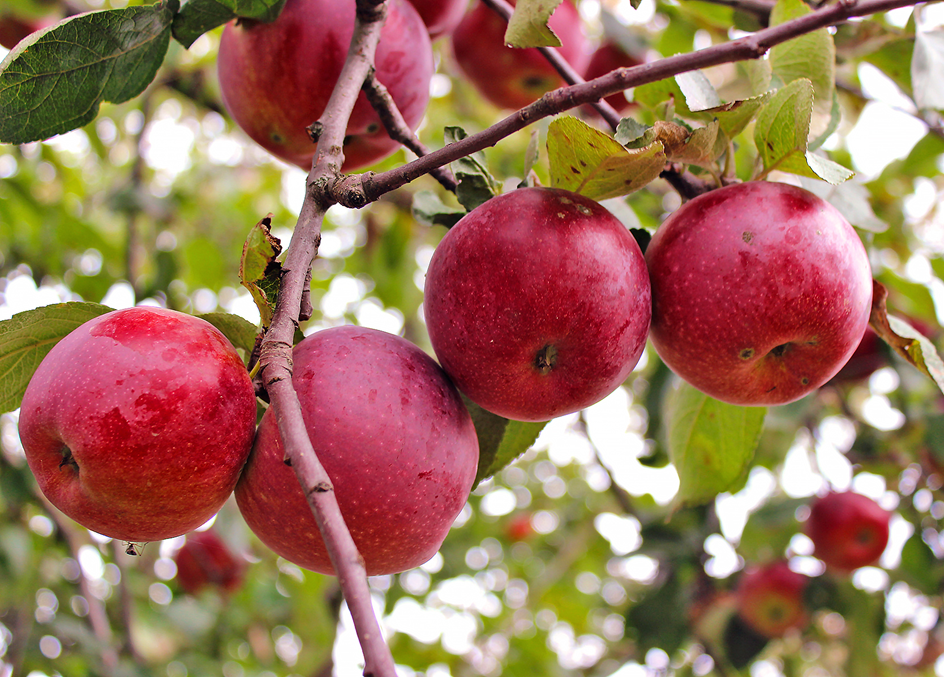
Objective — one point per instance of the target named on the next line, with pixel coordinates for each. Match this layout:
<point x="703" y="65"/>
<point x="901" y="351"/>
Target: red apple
<point x="510" y="77"/>
<point x="14" y="28"/>
<point x="276" y="78"/>
<point x="440" y="16"/>
<point x="537" y="303"/>
<point x="606" y="58"/>
<point x="770" y="599"/>
<point x="848" y="530"/>
<point x="138" y="423"/>
<point x="761" y="291"/>
<point x="204" y="560"/>
<point x="394" y="437"/>
<point x="519" y="527"/>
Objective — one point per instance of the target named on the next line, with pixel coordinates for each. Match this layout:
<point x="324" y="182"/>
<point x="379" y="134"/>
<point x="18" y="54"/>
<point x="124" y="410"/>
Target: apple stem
<point x="275" y="354"/>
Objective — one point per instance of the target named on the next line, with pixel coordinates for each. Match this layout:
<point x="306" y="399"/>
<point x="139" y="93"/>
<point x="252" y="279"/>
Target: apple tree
<point x="347" y="189"/>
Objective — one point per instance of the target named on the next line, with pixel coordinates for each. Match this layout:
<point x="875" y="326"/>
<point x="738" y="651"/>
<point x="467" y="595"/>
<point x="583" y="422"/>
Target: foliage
<point x="643" y="508"/>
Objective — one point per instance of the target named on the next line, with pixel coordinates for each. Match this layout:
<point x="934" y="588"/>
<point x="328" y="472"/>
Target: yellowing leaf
<point x="528" y="24"/>
<point x="587" y="161"/>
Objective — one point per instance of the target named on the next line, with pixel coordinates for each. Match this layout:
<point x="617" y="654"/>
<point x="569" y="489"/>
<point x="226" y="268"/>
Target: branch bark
<point x="358" y="190"/>
<point x="276" y="351"/>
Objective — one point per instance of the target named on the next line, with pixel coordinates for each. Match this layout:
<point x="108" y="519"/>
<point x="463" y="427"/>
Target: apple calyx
<point x="68" y="459"/>
<point x="545" y="360"/>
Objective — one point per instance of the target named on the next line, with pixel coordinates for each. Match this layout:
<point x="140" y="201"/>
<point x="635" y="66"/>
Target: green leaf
<point x="428" y="208"/>
<point x="653" y="96"/>
<point x="259" y="270"/>
<point x="811" y="56"/>
<point x="476" y="184"/>
<point x="501" y="440"/>
<point x="528" y="27"/>
<point x="781" y="135"/>
<point x="585" y="160"/>
<point x="197" y="17"/>
<point x="711" y="443"/>
<point x="240" y="331"/>
<point x="27" y="337"/>
<point x="698" y="91"/>
<point x="55" y="80"/>
<point x="735" y="116"/>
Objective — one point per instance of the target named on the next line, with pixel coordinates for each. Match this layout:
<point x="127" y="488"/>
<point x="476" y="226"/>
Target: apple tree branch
<point x="276" y="351"/>
<point x="358" y="190"/>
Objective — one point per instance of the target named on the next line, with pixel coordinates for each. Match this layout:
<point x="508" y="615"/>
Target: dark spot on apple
<point x="746" y="354"/>
<point x="747" y="236"/>
<point x="275" y="137"/>
<point x="545" y="360"/>
<point x="804" y="381"/>
<point x="536" y="82"/>
<point x="67" y="459"/>
<point x="425" y="475"/>
<point x="778" y="351"/>
<point x="373" y="128"/>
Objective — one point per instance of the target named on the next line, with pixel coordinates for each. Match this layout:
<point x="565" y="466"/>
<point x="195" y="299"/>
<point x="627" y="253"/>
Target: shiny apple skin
<point x="513" y="78"/>
<point x="770" y="599"/>
<point x="394" y="437"/>
<point x="158" y="413"/>
<point x="440" y="16"/>
<point x="848" y="530"/>
<point x="532" y="269"/>
<point x="761" y="292"/>
<point x="276" y="78"/>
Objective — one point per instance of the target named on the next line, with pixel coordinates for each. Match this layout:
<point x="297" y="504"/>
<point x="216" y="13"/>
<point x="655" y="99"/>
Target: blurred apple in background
<point x="511" y="77"/>
<point x="440" y="16"/>
<point x="204" y="560"/>
<point x="848" y="530"/>
<point x="770" y="599"/>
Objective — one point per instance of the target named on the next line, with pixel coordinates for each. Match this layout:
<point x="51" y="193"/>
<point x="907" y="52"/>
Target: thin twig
<point x="379" y="97"/>
<point x="361" y="189"/>
<point x="276" y="351"/>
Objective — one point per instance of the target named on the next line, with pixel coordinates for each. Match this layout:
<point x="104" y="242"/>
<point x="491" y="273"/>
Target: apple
<point x="204" y="560"/>
<point x="848" y="530"/>
<point x="761" y="291"/>
<point x="440" y="16"/>
<point x="14" y="28"/>
<point x="276" y="78"/>
<point x="394" y="437"/>
<point x="138" y="423"/>
<point x="537" y="303"/>
<point x="770" y="599"/>
<point x="606" y="58"/>
<point x="519" y="527"/>
<point x="510" y="77"/>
